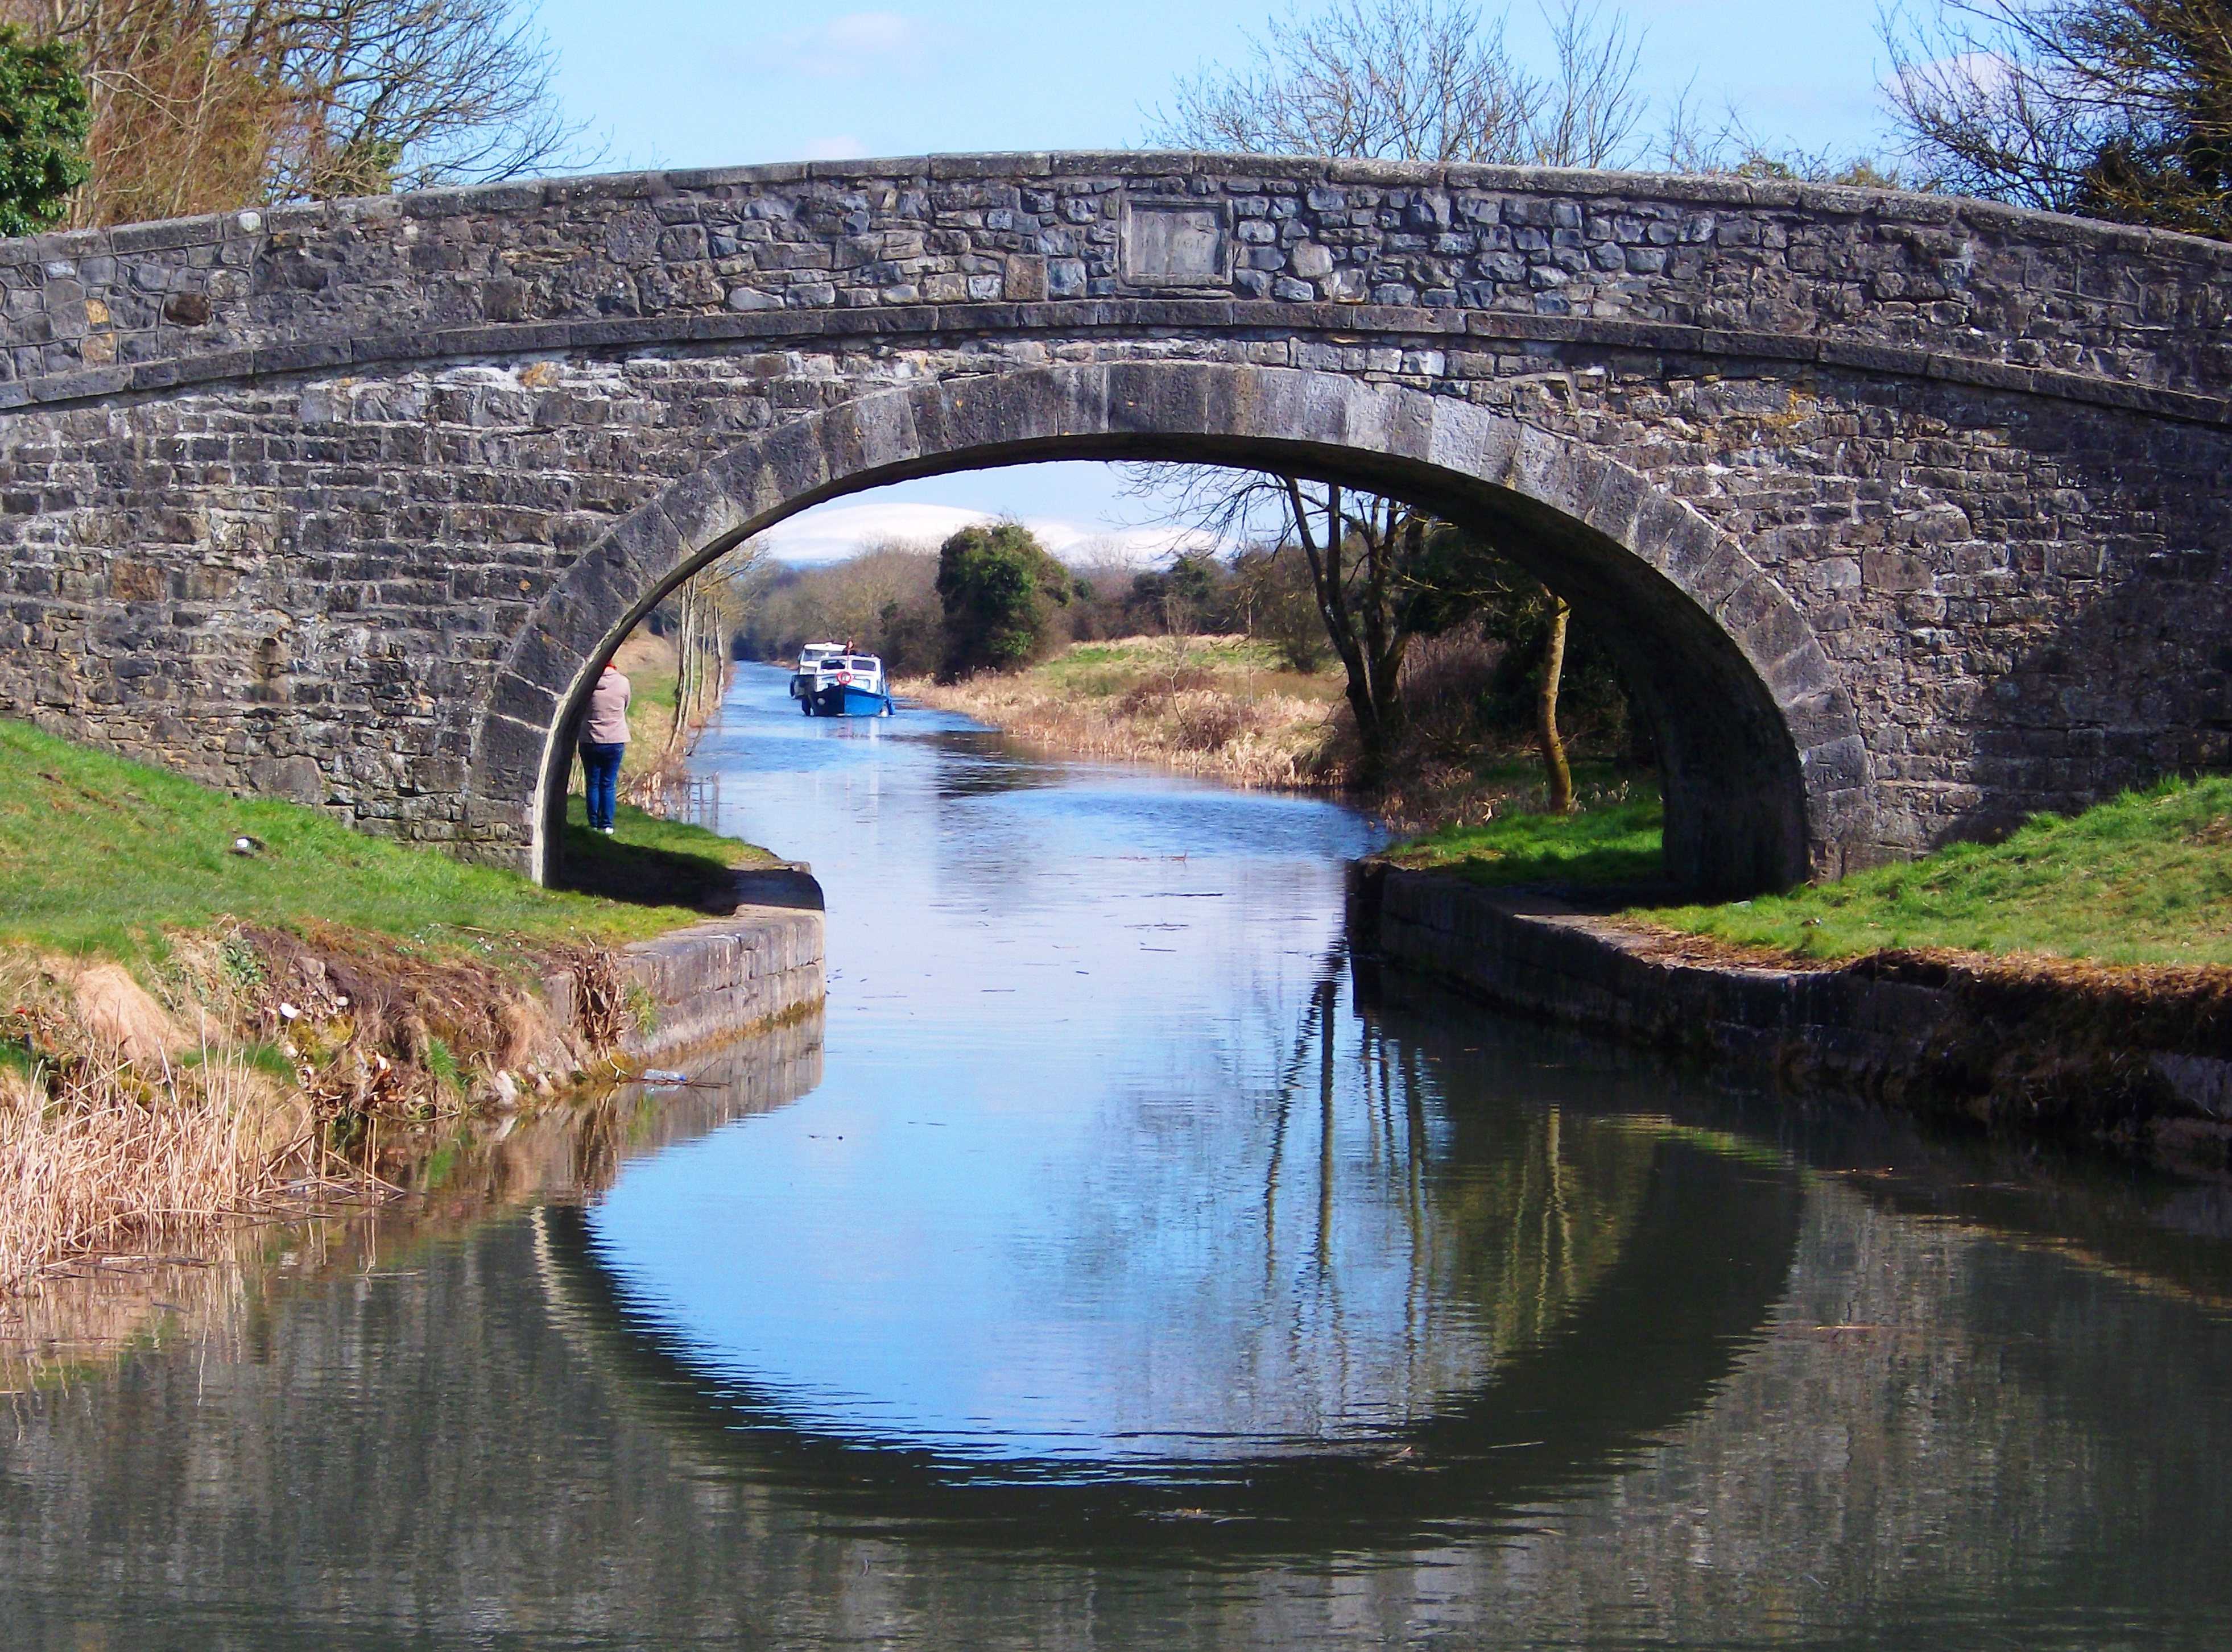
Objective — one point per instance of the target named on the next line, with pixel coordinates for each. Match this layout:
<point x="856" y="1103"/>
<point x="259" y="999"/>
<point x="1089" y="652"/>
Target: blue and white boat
<point x="848" y="685"/>
<point x="810" y="660"/>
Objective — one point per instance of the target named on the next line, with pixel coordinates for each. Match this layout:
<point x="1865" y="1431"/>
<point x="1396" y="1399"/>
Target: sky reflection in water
<point x="1110" y="1268"/>
<point x="1071" y="1185"/>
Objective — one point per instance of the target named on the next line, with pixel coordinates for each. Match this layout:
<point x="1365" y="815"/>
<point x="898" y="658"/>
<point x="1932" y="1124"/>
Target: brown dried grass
<point x="122" y="1133"/>
<point x="97" y="1157"/>
<point x="117" y="1011"/>
<point x="1272" y="740"/>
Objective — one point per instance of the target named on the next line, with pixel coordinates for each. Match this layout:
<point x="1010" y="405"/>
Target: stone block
<point x="298" y="780"/>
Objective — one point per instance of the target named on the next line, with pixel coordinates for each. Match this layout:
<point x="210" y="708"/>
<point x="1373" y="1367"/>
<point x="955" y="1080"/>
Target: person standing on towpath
<point x="603" y="742"/>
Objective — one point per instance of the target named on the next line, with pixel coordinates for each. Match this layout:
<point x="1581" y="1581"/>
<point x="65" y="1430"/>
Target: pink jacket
<point x="606" y="724"/>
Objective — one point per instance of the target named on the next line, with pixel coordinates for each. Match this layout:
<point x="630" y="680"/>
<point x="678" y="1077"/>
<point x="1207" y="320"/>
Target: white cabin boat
<point x="803" y="677"/>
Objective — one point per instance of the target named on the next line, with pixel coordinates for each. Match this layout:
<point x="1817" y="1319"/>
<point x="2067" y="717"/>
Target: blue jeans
<point x="600" y="766"/>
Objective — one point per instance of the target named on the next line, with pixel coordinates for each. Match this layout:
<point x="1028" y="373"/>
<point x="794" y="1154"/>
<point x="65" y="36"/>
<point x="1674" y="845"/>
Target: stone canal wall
<point x="724" y="977"/>
<point x="2081" y="1053"/>
<point x="717" y="979"/>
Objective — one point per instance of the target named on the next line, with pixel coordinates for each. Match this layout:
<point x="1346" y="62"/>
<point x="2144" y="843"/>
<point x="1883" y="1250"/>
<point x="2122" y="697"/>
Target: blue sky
<point x="698" y="83"/>
<point x="701" y="83"/>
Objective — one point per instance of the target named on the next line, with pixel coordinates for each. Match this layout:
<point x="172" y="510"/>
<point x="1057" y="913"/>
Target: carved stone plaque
<point x="1176" y="243"/>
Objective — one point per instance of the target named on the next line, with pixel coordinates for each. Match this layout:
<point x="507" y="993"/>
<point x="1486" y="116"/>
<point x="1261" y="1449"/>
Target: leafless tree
<point x="1381" y="573"/>
<point x="704" y="614"/>
<point x="1558" y="774"/>
<point x="2114" y="108"/>
<point x="409" y="93"/>
<point x="1698" y="140"/>
<point x="882" y="598"/>
<point x="1590" y="112"/>
<point x="1382" y="80"/>
<point x="205" y="104"/>
<point x="1408" y="80"/>
<point x="1419" y="79"/>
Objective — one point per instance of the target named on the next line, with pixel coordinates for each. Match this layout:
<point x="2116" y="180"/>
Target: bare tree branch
<point x="2114" y="108"/>
<point x="1592" y="111"/>
<point x="1380" y="79"/>
<point x="200" y="104"/>
<point x="1421" y="79"/>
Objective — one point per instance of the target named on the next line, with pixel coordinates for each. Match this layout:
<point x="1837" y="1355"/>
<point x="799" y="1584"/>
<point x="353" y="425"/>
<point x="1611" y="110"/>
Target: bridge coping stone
<point x="1828" y="199"/>
<point x="257" y="321"/>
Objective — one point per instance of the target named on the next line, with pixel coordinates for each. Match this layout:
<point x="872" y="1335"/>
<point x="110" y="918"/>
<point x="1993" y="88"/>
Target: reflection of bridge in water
<point x="1707" y="1256"/>
<point x="1774" y="1395"/>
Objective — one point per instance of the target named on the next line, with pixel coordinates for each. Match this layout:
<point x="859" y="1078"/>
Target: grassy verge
<point x="1219" y="706"/>
<point x="100" y="856"/>
<point x="1614" y="838"/>
<point x="2146" y="879"/>
<point x="648" y="859"/>
<point x="211" y="1005"/>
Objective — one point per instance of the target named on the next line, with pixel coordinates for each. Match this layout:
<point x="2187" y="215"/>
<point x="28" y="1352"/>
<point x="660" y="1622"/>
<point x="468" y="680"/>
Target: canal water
<point x="1117" y="1263"/>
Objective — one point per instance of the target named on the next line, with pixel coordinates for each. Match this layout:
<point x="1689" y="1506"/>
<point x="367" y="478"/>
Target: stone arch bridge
<point x="1904" y="515"/>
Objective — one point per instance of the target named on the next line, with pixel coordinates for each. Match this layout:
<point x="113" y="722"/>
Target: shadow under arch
<point x="1764" y="770"/>
<point x="1706" y="1262"/>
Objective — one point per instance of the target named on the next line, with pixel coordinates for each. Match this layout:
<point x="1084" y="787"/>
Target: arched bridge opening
<point x="1762" y="769"/>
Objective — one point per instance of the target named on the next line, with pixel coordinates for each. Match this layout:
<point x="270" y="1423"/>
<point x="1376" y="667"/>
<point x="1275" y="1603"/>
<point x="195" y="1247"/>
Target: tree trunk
<point x="1557" y="775"/>
<point x="684" y="644"/>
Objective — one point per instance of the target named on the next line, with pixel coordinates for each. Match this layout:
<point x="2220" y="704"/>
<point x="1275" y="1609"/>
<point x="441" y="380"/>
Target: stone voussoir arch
<point x="1766" y="771"/>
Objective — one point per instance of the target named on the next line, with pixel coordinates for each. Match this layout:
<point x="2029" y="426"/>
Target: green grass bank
<point x="100" y="856"/>
<point x="211" y="1005"/>
<point x="1614" y="838"/>
<point x="2145" y="879"/>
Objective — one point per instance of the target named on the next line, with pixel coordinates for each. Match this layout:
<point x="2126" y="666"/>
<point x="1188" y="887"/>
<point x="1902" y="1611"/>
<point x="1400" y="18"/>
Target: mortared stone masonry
<point x="1906" y="514"/>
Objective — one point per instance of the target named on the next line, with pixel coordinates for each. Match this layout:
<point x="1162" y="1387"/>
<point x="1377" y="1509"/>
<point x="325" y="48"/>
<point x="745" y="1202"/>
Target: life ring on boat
<point x="844" y="679"/>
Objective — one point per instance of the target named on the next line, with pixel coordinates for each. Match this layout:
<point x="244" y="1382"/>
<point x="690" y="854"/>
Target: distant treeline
<point x="992" y="599"/>
<point x="885" y="599"/>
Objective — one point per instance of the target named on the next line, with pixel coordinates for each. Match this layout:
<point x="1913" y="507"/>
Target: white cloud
<point x="842" y="148"/>
<point x="852" y="47"/>
<point x="832" y="532"/>
<point x="1098" y="545"/>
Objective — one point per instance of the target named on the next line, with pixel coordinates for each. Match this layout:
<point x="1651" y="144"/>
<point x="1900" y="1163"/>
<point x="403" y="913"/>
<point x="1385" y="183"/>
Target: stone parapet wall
<point x="1017" y="243"/>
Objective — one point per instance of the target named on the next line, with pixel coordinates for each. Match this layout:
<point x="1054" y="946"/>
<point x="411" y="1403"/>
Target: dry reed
<point x="122" y="1133"/>
<point x="100" y="1160"/>
<point x="1271" y="740"/>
